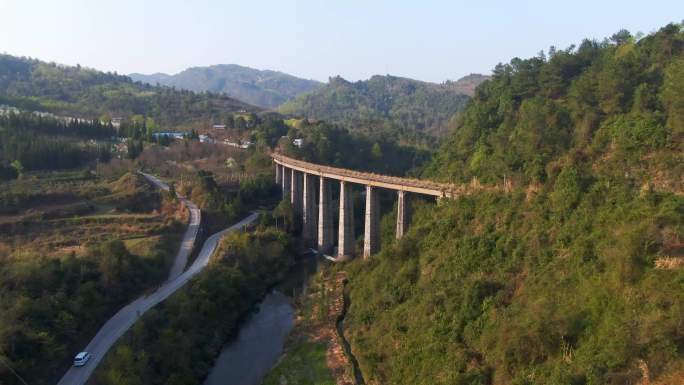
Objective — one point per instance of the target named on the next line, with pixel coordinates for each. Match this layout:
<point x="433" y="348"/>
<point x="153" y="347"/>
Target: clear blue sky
<point x="429" y="40"/>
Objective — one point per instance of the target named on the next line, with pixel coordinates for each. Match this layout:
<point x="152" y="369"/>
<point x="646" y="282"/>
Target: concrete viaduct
<point x="298" y="181"/>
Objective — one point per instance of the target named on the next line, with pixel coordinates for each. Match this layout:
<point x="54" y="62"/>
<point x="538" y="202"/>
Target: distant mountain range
<point x="387" y="104"/>
<point x="264" y="88"/>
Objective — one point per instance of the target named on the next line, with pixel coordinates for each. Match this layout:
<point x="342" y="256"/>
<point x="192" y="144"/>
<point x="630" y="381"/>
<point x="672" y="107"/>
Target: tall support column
<point x="296" y="193"/>
<point x="325" y="218"/>
<point x="287" y="181"/>
<point x="371" y="243"/>
<point x="309" y="217"/>
<point x="345" y="243"/>
<point x="279" y="174"/>
<point x="403" y="211"/>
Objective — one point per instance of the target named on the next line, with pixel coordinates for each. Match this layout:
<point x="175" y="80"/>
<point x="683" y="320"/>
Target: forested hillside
<point x="86" y="93"/>
<point x="383" y="105"/>
<point x="264" y="88"/>
<point x="572" y="273"/>
<point x="327" y="144"/>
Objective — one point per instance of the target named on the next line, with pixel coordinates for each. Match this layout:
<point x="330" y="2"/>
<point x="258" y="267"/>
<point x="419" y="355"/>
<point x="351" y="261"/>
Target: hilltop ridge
<point x="264" y="88"/>
<point x="386" y="104"/>
<point x="77" y="91"/>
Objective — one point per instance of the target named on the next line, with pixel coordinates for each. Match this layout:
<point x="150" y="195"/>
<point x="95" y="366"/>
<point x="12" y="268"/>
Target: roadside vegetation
<point x="552" y="279"/>
<point x="202" y="316"/>
<point x="73" y="249"/>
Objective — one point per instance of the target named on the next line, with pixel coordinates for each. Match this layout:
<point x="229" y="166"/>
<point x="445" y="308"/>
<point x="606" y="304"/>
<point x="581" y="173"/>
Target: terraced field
<point x="78" y="246"/>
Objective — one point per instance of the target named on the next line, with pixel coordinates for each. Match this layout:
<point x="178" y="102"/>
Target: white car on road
<point x="81" y="358"/>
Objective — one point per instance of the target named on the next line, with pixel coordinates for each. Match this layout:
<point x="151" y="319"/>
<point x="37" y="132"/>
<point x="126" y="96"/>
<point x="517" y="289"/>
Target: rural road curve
<point x="190" y="234"/>
<point x="116" y="326"/>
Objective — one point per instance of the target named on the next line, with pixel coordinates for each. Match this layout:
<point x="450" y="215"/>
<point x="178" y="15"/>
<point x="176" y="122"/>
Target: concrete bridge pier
<point x="286" y="175"/>
<point x="309" y="229"/>
<point x="296" y="194"/>
<point x="345" y="243"/>
<point x="325" y="217"/>
<point x="279" y="174"/>
<point x="371" y="241"/>
<point x="403" y="211"/>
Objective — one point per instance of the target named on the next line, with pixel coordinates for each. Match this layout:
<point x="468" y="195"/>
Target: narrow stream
<point x="259" y="343"/>
<point x="358" y="376"/>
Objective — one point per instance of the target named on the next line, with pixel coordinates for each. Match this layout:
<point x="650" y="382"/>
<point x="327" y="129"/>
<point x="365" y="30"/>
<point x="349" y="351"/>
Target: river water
<point x="259" y="343"/>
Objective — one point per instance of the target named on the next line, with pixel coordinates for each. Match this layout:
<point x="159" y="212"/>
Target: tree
<point x="284" y="213"/>
<point x="621" y="37"/>
<point x="150" y="127"/>
<point x="193" y="135"/>
<point x="376" y="151"/>
<point x="673" y="97"/>
<point x="18" y="167"/>
<point x="172" y="192"/>
<point x="135" y="148"/>
<point x="240" y="123"/>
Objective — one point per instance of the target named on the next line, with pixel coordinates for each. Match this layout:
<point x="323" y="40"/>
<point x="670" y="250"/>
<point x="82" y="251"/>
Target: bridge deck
<point x="366" y="178"/>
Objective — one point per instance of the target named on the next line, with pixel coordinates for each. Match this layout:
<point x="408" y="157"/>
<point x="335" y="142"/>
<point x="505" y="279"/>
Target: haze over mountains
<point x="264" y="88"/>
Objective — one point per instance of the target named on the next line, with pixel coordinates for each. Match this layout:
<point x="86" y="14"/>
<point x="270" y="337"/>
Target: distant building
<point x="121" y="149"/>
<point x="173" y="135"/>
<point x="219" y="127"/>
<point x="228" y="142"/>
<point x="298" y="142"/>
<point x="206" y="139"/>
<point x="6" y="110"/>
<point x="239" y="144"/>
<point x="116" y="122"/>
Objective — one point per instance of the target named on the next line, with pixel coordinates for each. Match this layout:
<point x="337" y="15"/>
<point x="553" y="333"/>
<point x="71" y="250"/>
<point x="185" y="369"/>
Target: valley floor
<point x="314" y="352"/>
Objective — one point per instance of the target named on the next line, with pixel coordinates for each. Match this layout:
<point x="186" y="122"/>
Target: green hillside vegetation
<point x="263" y="88"/>
<point x="34" y="85"/>
<point x="555" y="281"/>
<point x="195" y="320"/>
<point x="331" y="145"/>
<point x="73" y="250"/>
<point x="389" y="106"/>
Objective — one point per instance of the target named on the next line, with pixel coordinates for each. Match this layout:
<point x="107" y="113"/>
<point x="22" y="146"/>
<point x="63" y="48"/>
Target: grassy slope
<point x="304" y="364"/>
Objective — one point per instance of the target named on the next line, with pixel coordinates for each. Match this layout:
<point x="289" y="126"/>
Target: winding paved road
<point x="116" y="326"/>
<point x="190" y="234"/>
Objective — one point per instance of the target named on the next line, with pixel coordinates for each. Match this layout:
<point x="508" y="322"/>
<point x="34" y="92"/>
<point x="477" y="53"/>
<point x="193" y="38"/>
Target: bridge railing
<point x="366" y="178"/>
